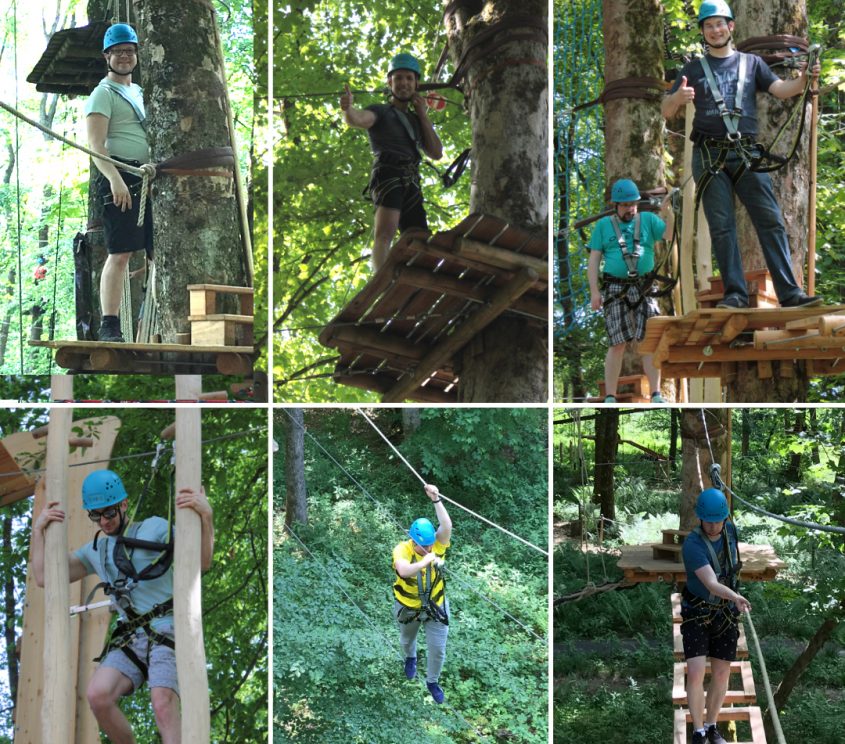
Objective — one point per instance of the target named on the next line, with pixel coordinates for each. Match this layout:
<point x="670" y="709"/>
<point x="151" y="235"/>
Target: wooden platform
<point x="752" y="714"/>
<point x="734" y="696"/>
<point x="759" y="563"/>
<point x="678" y="643"/>
<point x="630" y="389"/>
<point x="399" y="335"/>
<point x="164" y="359"/>
<point x="710" y="342"/>
<point x="72" y="63"/>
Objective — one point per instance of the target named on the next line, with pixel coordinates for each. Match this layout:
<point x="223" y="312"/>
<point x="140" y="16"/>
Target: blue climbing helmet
<point x="404" y="61"/>
<point x="422" y="532"/>
<point x="624" y="190"/>
<point x="119" y="33"/>
<point x="102" y="488"/>
<point x="711" y="8"/>
<point x="712" y="506"/>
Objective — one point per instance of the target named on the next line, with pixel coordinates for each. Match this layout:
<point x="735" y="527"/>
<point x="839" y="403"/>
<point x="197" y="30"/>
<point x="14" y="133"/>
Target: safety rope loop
<point x="148" y="173"/>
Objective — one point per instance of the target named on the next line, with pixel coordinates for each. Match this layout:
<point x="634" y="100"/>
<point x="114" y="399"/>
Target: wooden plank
<point x="751" y="714"/>
<point x="223" y="288"/>
<point x="674" y="537"/>
<point x="158" y="348"/>
<point x="669" y="338"/>
<point x="220" y="317"/>
<point x="764" y="370"/>
<point x="743" y="695"/>
<point x="187" y="582"/>
<point x="201" y="303"/>
<point x="387" y="343"/>
<point x="502" y="258"/>
<point x="675" y="598"/>
<point x="462" y="335"/>
<point x="57" y="709"/>
<point x="661" y="552"/>
<point x="694" y="354"/>
<point x="381" y="383"/>
<point x="817" y="322"/>
<point x="811" y="339"/>
<point x="735" y="325"/>
<point x="224" y="333"/>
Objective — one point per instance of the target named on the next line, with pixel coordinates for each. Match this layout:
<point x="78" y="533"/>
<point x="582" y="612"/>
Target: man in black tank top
<point x="397" y="135"/>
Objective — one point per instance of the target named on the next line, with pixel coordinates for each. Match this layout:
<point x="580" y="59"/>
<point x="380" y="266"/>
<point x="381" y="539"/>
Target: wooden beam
<point x="685" y="354"/>
<point x="501" y="257"/>
<point x="482" y="317"/>
<point x="56" y="711"/>
<point x="381" y="383"/>
<point x="187" y="582"/>
<point x="380" y="343"/>
<point x="736" y="324"/>
<point x="233" y="364"/>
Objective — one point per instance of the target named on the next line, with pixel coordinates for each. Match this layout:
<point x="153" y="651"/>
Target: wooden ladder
<point x="212" y="328"/>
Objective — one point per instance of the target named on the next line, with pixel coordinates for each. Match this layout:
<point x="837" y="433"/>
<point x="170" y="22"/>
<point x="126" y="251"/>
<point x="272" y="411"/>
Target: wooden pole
<point x="811" y="210"/>
<point x="56" y="714"/>
<point x="187" y="586"/>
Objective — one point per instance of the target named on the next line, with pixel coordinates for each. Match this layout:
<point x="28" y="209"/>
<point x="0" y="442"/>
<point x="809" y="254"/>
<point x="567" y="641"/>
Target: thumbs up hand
<point x="346" y="99"/>
<point x="685" y="93"/>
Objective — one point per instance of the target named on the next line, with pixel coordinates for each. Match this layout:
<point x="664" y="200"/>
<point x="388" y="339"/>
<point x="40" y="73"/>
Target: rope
<point x="369" y="621"/>
<point x="451" y="501"/>
<point x="773" y="709"/>
<point x="400" y="526"/>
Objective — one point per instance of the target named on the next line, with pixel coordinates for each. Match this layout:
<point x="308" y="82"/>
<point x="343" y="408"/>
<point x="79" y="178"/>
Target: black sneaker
<point x="732" y="303"/>
<point x="110" y="333"/>
<point x="802" y="300"/>
<point x="714" y="737"/>
<point x="699" y="738"/>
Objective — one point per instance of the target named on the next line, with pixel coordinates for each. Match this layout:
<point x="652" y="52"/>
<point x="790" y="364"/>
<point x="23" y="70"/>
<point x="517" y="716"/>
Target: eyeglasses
<point x="109" y="513"/>
<point x="126" y="52"/>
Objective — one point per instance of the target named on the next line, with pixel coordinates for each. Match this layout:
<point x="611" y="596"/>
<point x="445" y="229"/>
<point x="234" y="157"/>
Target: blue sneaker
<point x="657" y="398"/>
<point x="610" y="399"/>
<point x="436" y="692"/>
<point x="411" y="667"/>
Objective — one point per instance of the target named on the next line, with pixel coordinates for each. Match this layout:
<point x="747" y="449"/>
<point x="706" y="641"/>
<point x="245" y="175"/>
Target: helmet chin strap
<point x="117" y="72"/>
<point x="722" y="46"/>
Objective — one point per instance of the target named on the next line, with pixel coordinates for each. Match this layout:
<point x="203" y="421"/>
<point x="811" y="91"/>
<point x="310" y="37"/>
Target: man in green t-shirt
<point x="625" y="241"/>
<point x="116" y="126"/>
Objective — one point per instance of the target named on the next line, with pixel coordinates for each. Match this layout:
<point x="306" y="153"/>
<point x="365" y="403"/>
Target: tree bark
<point x="9" y="607"/>
<point x="195" y="218"/>
<point x="793" y="466"/>
<point x="508" y="107"/>
<point x="674" y="414"/>
<point x="411" y="421"/>
<point x="791" y="186"/>
<point x="607" y="445"/>
<point x="745" y="446"/>
<point x="696" y="460"/>
<point x="296" y="497"/>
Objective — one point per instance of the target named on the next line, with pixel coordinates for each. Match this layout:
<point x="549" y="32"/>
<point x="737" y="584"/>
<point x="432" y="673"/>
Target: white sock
<point x="708" y="725"/>
<point x="701" y="731"/>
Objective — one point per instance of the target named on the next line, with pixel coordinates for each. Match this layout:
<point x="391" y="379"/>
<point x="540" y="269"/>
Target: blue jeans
<point x="755" y="192"/>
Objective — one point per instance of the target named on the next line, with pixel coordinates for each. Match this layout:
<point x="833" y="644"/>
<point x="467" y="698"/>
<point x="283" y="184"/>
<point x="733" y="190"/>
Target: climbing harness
<point x="431" y="588"/>
<point x="728" y="574"/>
<point x="730" y="117"/>
<point x="631" y="256"/>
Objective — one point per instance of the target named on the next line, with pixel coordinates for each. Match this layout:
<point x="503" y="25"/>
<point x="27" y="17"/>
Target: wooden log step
<point x="751" y="714"/>
<point x="663" y="552"/>
<point x="678" y="642"/>
<point x="203" y="298"/>
<point x="638" y="385"/>
<point x="223" y="317"/>
<point x="734" y="696"/>
<point x="221" y="330"/>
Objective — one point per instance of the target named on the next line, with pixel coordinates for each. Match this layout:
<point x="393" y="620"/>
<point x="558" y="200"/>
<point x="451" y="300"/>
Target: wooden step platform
<point x="399" y="335"/>
<point x="164" y="359"/>
<point x="751" y="714"/>
<point x="760" y="287"/>
<point x="212" y="327"/>
<point x="710" y="342"/>
<point x="678" y="643"/>
<point x="734" y="696"/>
<point x="759" y="563"/>
<point x="72" y="63"/>
<point x="631" y="389"/>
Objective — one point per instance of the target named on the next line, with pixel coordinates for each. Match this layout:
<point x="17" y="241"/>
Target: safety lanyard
<point x="631" y="257"/>
<point x="731" y="119"/>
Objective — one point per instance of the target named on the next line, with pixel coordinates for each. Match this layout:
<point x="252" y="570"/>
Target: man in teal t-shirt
<point x="625" y="241"/>
<point x="116" y="125"/>
<point x="138" y="578"/>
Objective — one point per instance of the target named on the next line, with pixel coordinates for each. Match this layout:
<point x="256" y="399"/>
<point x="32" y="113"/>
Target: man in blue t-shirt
<point x="710" y="610"/>
<point x="625" y="242"/>
<point x="139" y="582"/>
<point x="396" y="137"/>
<point x="723" y="146"/>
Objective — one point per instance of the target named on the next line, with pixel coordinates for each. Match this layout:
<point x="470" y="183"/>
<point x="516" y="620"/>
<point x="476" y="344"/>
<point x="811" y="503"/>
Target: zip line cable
<point x="446" y="498"/>
<point x="716" y="478"/>
<point x="389" y="644"/>
<point x="452" y="573"/>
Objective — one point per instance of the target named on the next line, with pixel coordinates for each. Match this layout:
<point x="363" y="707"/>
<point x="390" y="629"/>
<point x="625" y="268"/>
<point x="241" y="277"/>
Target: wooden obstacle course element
<point x="164" y="359"/>
<point x="72" y="63"/>
<point x="636" y="389"/>
<point x="400" y="334"/>
<point x="748" y="693"/>
<point x="761" y="290"/>
<point x="751" y="714"/>
<point x="210" y="326"/>
<point x="678" y="643"/>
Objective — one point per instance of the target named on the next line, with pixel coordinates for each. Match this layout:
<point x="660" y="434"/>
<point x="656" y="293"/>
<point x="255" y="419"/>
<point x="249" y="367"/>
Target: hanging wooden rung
<point x="751" y="714"/>
<point x="747" y="694"/>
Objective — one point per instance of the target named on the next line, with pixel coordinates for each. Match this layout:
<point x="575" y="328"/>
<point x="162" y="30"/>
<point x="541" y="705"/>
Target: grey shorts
<point x="161" y="665"/>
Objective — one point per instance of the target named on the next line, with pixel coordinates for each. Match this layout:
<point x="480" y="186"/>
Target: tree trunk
<point x="791" y="186"/>
<point x="296" y="501"/>
<point x="815" y="455"/>
<point x="633" y="129"/>
<point x="9" y="608"/>
<point x="195" y="218"/>
<point x="796" y="671"/>
<point x="674" y="414"/>
<point x="508" y="107"/>
<point x="695" y="468"/>
<point x="745" y="445"/>
<point x="793" y="466"/>
<point x="411" y="421"/>
<point x="607" y="445"/>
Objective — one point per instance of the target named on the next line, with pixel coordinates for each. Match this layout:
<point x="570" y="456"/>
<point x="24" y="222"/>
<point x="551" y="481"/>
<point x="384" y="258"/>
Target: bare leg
<point x="612" y="367"/>
<point x="719" y="676"/>
<point x="695" y="689"/>
<point x="106" y="687"/>
<point x="652" y="373"/>
<point x="168" y="718"/>
<point x="111" y="282"/>
<point x="387" y="223"/>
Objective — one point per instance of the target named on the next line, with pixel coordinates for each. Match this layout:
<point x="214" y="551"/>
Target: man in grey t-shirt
<point x="116" y="125"/>
<point x="396" y="137"/>
<point x="140" y="583"/>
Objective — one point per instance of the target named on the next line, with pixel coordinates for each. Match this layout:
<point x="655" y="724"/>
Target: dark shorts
<point x="709" y="630"/>
<point x="398" y="187"/>
<point x="121" y="231"/>
<point x="623" y="322"/>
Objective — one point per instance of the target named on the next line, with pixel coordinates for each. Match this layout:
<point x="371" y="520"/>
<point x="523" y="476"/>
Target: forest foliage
<point x="235" y="593"/>
<point x="337" y="670"/>
<point x="322" y="222"/>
